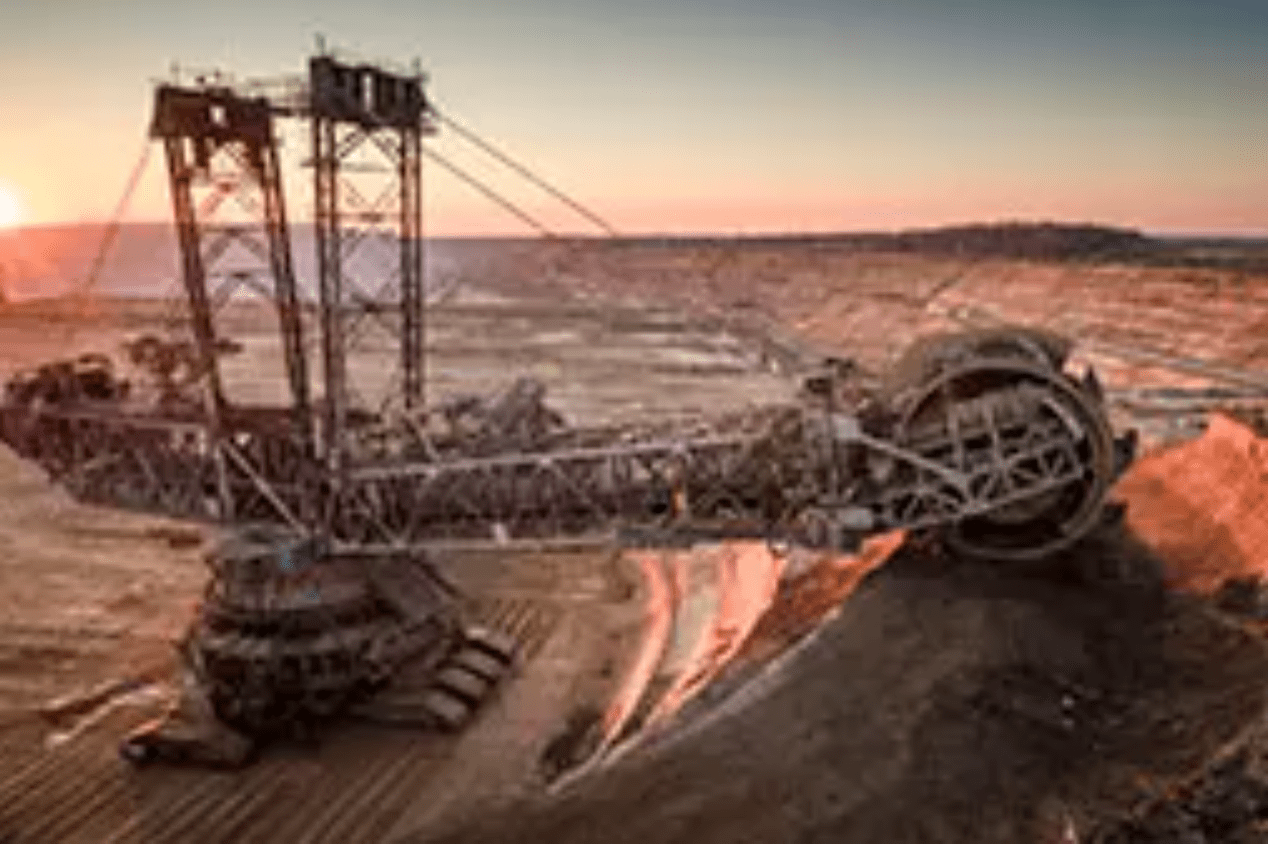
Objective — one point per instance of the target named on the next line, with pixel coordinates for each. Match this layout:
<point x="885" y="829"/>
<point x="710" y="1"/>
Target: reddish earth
<point x="940" y="701"/>
<point x="900" y="695"/>
<point x="1203" y="506"/>
<point x="806" y="597"/>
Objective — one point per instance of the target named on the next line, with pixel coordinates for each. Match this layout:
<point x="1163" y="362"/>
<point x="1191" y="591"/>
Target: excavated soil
<point x="945" y="701"/>
<point x="1117" y="696"/>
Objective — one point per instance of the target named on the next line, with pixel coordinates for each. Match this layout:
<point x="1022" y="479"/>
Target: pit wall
<point x="869" y="305"/>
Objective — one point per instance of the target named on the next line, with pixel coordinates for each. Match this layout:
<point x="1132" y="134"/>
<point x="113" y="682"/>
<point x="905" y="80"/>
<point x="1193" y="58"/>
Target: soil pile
<point x="1105" y="699"/>
<point x="1203" y="506"/>
<point x="945" y="701"/>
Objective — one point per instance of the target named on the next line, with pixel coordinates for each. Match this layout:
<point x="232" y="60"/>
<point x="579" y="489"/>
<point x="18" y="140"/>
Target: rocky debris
<point x="1245" y="596"/>
<point x="1227" y="804"/>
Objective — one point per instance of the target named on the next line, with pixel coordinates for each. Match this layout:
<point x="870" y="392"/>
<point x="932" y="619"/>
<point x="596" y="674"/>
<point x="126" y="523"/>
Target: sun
<point x="10" y="208"/>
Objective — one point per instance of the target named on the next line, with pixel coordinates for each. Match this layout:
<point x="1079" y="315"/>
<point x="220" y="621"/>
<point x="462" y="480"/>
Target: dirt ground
<point x="944" y="702"/>
<point x="896" y="696"/>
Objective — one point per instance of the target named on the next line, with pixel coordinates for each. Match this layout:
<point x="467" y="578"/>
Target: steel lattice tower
<point x="219" y="146"/>
<point x="366" y="125"/>
<point x="366" y="109"/>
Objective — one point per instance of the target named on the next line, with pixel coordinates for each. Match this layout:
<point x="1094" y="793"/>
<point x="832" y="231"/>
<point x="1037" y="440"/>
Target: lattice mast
<point x="367" y="109"/>
<point x="220" y="146"/>
<point x="366" y="125"/>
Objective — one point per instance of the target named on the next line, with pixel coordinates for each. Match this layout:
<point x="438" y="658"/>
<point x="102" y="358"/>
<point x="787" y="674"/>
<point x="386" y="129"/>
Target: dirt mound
<point x="946" y="701"/>
<point x="1091" y="723"/>
<point x="1203" y="506"/>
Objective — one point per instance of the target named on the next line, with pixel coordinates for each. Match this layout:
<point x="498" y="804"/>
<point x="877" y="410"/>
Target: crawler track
<point x="353" y="788"/>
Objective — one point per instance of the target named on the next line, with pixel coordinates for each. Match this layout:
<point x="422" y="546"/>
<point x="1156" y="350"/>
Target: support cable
<point x="108" y="237"/>
<point x="489" y="193"/>
<point x="523" y="171"/>
<point x="709" y="268"/>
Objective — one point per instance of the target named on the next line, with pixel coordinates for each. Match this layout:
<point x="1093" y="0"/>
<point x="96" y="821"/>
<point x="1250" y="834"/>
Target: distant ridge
<point x="53" y="260"/>
<point x="1037" y="241"/>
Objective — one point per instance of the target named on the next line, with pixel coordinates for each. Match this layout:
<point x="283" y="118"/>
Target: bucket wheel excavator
<point x="322" y="598"/>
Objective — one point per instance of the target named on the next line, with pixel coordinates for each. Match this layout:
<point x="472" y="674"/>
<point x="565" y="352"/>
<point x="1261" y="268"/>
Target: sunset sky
<point x="728" y="116"/>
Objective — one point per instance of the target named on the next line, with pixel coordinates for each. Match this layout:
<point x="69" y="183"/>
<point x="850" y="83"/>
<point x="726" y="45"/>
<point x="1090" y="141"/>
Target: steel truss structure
<point x="990" y="440"/>
<point x="1007" y="452"/>
<point x="360" y="109"/>
<point x="202" y="454"/>
<point x="1017" y="468"/>
<point x="219" y="147"/>
<point x="326" y="593"/>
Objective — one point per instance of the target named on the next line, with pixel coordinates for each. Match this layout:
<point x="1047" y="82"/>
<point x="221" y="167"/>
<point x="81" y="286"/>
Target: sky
<point x="704" y="116"/>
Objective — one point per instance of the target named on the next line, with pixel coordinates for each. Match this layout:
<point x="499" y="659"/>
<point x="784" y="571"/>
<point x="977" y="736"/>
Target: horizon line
<point x="746" y="234"/>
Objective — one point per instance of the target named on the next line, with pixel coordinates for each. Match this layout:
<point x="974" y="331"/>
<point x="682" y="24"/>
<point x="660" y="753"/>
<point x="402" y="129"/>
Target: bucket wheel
<point x="1055" y="493"/>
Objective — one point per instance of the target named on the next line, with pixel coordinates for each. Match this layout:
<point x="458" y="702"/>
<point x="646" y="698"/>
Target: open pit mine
<point x="612" y="540"/>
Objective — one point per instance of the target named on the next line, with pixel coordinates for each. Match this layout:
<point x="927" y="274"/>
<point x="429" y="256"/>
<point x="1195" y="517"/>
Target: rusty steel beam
<point x="286" y="294"/>
<point x="413" y="293"/>
<point x="326" y="221"/>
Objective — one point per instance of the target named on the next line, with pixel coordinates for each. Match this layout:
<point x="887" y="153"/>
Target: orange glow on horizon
<point x="10" y="208"/>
